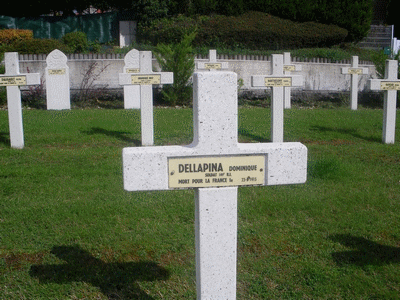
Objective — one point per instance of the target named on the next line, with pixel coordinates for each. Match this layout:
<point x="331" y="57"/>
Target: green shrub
<point x="179" y="59"/>
<point x="355" y="16"/>
<point x="34" y="46"/>
<point x="77" y="42"/>
<point x="252" y="30"/>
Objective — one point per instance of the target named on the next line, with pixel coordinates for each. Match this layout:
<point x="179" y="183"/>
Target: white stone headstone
<point x="215" y="164"/>
<point x="287" y="68"/>
<point x="13" y="79"/>
<point x="57" y="81"/>
<point x="354" y="71"/>
<point x="145" y="79"/>
<point x="277" y="81"/>
<point x="212" y="64"/>
<point x="132" y="92"/>
<point x="390" y="85"/>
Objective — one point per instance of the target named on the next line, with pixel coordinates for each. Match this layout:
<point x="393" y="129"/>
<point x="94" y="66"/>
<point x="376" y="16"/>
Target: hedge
<point x="252" y="30"/>
<point x="8" y="36"/>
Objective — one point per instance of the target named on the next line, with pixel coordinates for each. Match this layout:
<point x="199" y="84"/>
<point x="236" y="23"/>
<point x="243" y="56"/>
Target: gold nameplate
<point x="131" y="70"/>
<point x="146" y="79"/>
<point x="215" y="66"/>
<point x="56" y="71"/>
<point x="390" y="85"/>
<point x="12" y="80"/>
<point x="355" y="71"/>
<point x="216" y="171"/>
<point x="289" y="68"/>
<point x="278" y="81"/>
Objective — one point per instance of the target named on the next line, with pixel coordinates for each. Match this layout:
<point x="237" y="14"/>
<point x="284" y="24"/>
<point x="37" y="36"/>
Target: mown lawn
<point x="68" y="230"/>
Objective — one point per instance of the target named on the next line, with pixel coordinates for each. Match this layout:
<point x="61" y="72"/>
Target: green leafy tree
<point x="179" y="59"/>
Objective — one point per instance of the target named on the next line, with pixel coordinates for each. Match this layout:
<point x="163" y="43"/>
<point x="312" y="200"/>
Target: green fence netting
<point x="98" y="27"/>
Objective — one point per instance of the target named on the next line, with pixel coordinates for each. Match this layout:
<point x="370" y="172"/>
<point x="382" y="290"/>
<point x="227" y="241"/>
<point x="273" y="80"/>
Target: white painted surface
<point x="57" y="81"/>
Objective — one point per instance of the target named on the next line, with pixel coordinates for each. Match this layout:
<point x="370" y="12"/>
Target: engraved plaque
<point x="289" y="68"/>
<point x="12" y="80"/>
<point x="216" y="171"/>
<point x="355" y="71"/>
<point x="132" y="70"/>
<point x="146" y="79"/>
<point x="278" y="81"/>
<point x="390" y="85"/>
<point x="56" y="71"/>
<point x="215" y="66"/>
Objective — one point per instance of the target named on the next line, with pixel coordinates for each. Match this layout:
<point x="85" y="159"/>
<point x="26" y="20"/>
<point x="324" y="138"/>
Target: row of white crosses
<point x="215" y="164"/>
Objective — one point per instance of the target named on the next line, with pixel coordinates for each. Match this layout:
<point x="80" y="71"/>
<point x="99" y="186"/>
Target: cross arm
<point x="146" y="168"/>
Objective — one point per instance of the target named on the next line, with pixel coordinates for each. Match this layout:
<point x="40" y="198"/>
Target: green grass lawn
<point x="68" y="230"/>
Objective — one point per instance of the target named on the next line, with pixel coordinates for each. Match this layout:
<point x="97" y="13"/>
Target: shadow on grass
<point x="352" y="132"/>
<point x="246" y="133"/>
<point x="365" y="252"/>
<point x="121" y="135"/>
<point x="116" y="280"/>
<point x="5" y="138"/>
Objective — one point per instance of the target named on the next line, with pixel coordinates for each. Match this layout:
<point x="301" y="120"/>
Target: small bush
<point x="9" y="36"/>
<point x="77" y="42"/>
<point x="34" y="46"/>
<point x="179" y="59"/>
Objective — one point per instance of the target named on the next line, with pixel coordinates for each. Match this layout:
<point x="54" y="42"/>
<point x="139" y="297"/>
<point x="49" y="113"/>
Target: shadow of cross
<point x="365" y="252"/>
<point x="116" y="280"/>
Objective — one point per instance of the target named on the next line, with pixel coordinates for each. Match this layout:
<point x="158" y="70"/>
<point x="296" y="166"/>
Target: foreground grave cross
<point x="145" y="79"/>
<point x="212" y="64"/>
<point x="277" y="80"/>
<point x="12" y="79"/>
<point x="287" y="68"/>
<point x="354" y="71"/>
<point x="390" y="85"/>
<point x="215" y="164"/>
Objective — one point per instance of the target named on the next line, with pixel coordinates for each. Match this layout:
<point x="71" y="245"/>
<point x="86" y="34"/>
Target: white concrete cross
<point x="212" y="64"/>
<point x="277" y="80"/>
<point x="391" y="84"/>
<point x="145" y="79"/>
<point x="57" y="81"/>
<point x="354" y="71"/>
<point x="13" y="79"/>
<point x="215" y="164"/>
<point x="287" y="68"/>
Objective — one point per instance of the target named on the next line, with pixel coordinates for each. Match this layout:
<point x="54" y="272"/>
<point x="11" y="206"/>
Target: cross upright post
<point x="277" y="81"/>
<point x="354" y="71"/>
<point x="214" y="164"/>
<point x="390" y="85"/>
<point x="146" y="78"/>
<point x="287" y="68"/>
<point x="13" y="79"/>
<point x="212" y="64"/>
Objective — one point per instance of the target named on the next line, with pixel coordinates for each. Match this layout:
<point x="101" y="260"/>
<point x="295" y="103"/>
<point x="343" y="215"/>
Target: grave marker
<point x="277" y="81"/>
<point x="212" y="64"/>
<point x="13" y="79"/>
<point x="287" y="68"/>
<point x="390" y="85"/>
<point x="132" y="92"/>
<point x="354" y="71"/>
<point x="57" y="81"/>
<point x="145" y="79"/>
<point x="215" y="164"/>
